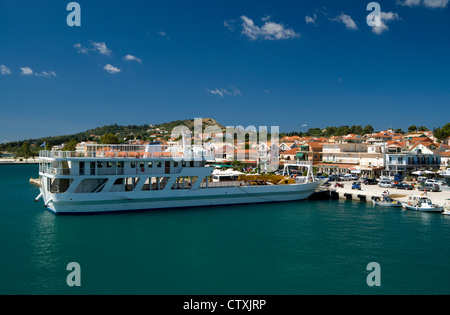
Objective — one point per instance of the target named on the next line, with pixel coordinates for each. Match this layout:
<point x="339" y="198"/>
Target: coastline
<point x="9" y="161"/>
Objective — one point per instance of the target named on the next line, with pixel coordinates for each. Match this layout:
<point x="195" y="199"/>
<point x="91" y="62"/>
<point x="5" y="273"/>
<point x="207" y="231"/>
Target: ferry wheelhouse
<point x="108" y="178"/>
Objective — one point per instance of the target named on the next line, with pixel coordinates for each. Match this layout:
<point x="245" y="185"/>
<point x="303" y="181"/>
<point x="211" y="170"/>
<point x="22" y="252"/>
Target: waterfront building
<point x="357" y="158"/>
<point x="414" y="160"/>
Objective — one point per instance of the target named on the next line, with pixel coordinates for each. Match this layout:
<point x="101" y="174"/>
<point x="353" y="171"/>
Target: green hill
<point x="142" y="132"/>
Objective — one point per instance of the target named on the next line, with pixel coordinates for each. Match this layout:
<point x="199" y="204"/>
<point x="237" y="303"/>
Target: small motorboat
<point x="387" y="202"/>
<point x="422" y="203"/>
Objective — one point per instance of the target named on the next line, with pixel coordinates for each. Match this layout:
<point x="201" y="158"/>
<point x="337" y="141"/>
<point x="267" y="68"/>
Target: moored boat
<point x="422" y="203"/>
<point x="386" y="201"/>
<point x="107" y="178"/>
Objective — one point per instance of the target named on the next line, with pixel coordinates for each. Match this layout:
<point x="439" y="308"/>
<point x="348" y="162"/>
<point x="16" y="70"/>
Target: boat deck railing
<point x="129" y="151"/>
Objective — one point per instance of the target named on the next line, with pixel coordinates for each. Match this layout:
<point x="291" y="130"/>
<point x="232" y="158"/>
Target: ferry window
<point x="141" y="164"/>
<point x="191" y="164"/>
<point x="158" y="164"/>
<point x="154" y="182"/>
<point x="91" y="185"/>
<point x="81" y="168"/>
<point x="146" y="186"/>
<point x="99" y="164"/>
<point x="150" y="164"/>
<point x="60" y="186"/>
<point x="175" y="164"/>
<point x="133" y="164"/>
<point x="108" y="164"/>
<point x="119" y="181"/>
<point x="163" y="182"/>
<point x="92" y="168"/>
<point x="183" y="164"/>
<point x="119" y="164"/>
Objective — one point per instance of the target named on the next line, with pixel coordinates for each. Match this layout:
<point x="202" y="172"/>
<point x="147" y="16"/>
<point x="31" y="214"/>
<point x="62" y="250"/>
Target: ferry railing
<point x="223" y="184"/>
<point x="127" y="155"/>
<point x="297" y="163"/>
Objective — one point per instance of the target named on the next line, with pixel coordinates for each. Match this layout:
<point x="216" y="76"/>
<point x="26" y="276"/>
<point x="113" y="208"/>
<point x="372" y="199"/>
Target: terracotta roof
<point x="290" y="152"/>
<point x="315" y="144"/>
<point x="397" y="143"/>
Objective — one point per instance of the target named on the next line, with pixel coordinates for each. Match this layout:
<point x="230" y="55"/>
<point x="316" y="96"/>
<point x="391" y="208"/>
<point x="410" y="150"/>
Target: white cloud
<point x="163" y="34"/>
<point x="215" y="92"/>
<point x="269" y="31"/>
<point x="98" y="47"/>
<point x="436" y="3"/>
<point x="132" y="58"/>
<point x="230" y="24"/>
<point x="409" y="3"/>
<point x="111" y="69"/>
<point x="385" y="17"/>
<point x="101" y="48"/>
<point x="311" y="20"/>
<point x="221" y="92"/>
<point x="81" y="49"/>
<point x="433" y="4"/>
<point x="346" y="20"/>
<point x="4" y="70"/>
<point x="26" y="71"/>
<point x="45" y="74"/>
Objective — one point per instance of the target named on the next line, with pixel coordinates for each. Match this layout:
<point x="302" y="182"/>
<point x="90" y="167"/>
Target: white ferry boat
<point x="108" y="178"/>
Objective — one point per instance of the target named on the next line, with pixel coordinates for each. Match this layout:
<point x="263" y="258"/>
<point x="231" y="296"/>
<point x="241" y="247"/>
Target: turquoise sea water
<point x="320" y="247"/>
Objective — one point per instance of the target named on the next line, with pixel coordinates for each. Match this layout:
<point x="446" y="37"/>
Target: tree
<point x="71" y="145"/>
<point x="368" y="129"/>
<point x="443" y="133"/>
<point x="423" y="128"/>
<point x="399" y="131"/>
<point x="109" y="138"/>
<point x="24" y="151"/>
<point x="412" y="128"/>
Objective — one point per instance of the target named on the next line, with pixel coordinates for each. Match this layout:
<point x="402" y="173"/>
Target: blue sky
<point x="263" y="63"/>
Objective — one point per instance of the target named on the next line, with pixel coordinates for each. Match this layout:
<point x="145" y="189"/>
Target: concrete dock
<point x="368" y="191"/>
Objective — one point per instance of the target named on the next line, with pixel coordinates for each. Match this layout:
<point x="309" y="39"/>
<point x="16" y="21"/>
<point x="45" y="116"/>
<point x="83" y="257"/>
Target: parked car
<point x="442" y="183"/>
<point x="349" y="177"/>
<point x="422" y="179"/>
<point x="370" y="181"/>
<point x="404" y="186"/>
<point x="386" y="184"/>
<point x="430" y="187"/>
<point x="431" y="181"/>
<point x="333" y="178"/>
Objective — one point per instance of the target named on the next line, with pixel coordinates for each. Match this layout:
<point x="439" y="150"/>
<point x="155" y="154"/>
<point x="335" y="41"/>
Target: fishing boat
<point x="386" y="201"/>
<point x="109" y="178"/>
<point x="422" y="203"/>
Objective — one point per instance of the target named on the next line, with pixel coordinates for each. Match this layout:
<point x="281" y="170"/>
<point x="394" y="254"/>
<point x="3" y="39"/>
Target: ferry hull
<point x="117" y="202"/>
